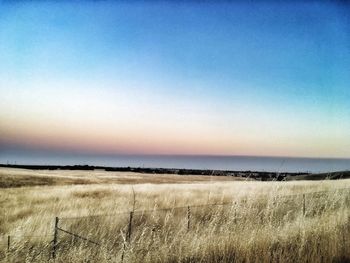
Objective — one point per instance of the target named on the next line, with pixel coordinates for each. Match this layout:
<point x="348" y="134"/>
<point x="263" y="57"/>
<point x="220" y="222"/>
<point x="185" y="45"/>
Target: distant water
<point x="237" y="163"/>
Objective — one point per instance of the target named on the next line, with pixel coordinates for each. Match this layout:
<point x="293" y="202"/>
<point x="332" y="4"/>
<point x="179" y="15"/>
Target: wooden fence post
<point x="130" y="226"/>
<point x="304" y="205"/>
<point x="8" y="243"/>
<point x="55" y="238"/>
<point x="188" y="218"/>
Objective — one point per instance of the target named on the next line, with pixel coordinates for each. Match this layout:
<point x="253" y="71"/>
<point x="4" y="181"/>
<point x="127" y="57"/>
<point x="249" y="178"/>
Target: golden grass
<point x="11" y="177"/>
<point x="258" y="225"/>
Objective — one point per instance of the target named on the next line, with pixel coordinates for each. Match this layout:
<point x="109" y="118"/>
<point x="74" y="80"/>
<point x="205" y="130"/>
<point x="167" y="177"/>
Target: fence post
<point x="130" y="225"/>
<point x="8" y="243"/>
<point x="304" y="205"/>
<point x="55" y="238"/>
<point x="188" y="218"/>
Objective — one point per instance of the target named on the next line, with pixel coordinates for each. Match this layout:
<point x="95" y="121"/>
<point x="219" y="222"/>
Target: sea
<point x="235" y="163"/>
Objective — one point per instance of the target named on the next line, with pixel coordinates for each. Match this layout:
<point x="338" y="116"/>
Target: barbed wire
<point x="204" y="205"/>
<point x="154" y="210"/>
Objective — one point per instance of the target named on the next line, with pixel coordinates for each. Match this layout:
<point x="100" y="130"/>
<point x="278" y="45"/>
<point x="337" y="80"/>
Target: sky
<point x="264" y="78"/>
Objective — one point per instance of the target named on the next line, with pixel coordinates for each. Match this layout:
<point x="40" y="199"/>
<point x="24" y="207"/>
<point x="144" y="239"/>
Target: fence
<point x="120" y="227"/>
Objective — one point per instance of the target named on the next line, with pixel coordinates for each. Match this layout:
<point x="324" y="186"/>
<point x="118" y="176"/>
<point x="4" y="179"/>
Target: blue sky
<point x="164" y="77"/>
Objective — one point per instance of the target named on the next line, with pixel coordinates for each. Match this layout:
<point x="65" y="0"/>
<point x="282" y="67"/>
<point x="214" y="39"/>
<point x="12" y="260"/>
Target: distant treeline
<point x="263" y="176"/>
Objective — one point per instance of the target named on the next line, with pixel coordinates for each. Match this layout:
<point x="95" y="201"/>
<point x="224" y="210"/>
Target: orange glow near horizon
<point x="153" y="139"/>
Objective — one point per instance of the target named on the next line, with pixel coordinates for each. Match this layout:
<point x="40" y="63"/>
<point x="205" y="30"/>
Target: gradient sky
<point x="167" y="77"/>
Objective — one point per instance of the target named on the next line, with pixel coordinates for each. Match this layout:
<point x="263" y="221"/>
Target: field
<point x="174" y="218"/>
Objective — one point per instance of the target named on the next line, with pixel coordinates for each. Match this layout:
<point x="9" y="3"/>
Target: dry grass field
<point x="260" y="221"/>
<point x="11" y="177"/>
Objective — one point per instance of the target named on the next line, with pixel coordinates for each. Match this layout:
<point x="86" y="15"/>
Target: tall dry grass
<point x="258" y="224"/>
